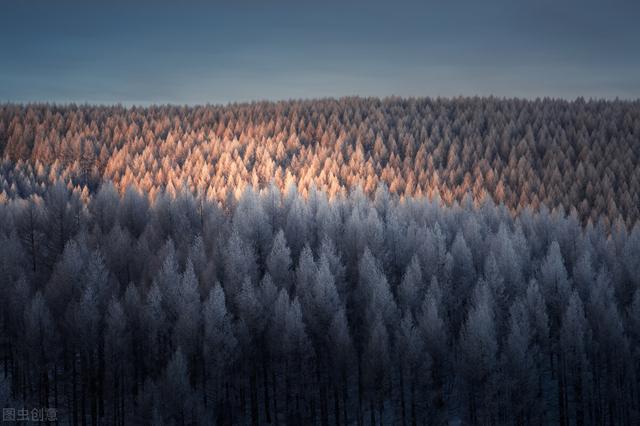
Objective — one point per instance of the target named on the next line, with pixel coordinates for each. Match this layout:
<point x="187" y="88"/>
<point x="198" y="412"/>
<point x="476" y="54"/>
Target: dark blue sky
<point x="188" y="52"/>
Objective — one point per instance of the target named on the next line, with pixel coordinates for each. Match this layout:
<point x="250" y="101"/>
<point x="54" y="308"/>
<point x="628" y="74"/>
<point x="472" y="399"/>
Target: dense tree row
<point x="283" y="309"/>
<point x="581" y="155"/>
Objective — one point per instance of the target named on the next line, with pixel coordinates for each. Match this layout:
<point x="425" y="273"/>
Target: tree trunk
<point x="75" y="391"/>
<point x="46" y="387"/>
<point x="101" y="377"/>
<point x="561" y="399"/>
<point x="345" y="392"/>
<point x="312" y="409"/>
<point x="372" y="412"/>
<point x="403" y="414"/>
<point x="253" y="395"/>
<point x="229" y="409"/>
<point x="267" y="400"/>
<point x="360" y="414"/>
<point x="414" y="419"/>
<point x="472" y="405"/>
<point x="55" y="384"/>
<point x="122" y="395"/>
<point x="204" y="382"/>
<point x="275" y="396"/>
<point x="287" y="392"/>
<point x="93" y="391"/>
<point x="243" y="402"/>
<point x="83" y="379"/>
<point x="324" y="417"/>
<point x="23" y="375"/>
<point x="6" y="358"/>
<point x="336" y="407"/>
<point x="579" y="401"/>
<point x="116" y="396"/>
<point x="438" y="384"/>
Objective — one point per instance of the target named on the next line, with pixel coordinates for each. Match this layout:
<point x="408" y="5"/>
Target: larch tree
<point x="478" y="356"/>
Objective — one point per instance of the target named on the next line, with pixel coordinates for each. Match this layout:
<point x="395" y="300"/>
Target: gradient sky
<point x="187" y="52"/>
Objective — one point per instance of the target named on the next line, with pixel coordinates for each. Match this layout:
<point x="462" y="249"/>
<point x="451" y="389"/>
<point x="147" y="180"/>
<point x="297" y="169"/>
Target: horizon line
<point x="144" y="104"/>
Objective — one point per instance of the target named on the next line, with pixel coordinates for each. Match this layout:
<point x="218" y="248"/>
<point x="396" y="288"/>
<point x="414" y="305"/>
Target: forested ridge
<point x="580" y="155"/>
<point x="322" y="262"/>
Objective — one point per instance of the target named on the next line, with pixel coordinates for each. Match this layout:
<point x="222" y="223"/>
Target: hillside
<point x="580" y="155"/>
<point x="319" y="262"/>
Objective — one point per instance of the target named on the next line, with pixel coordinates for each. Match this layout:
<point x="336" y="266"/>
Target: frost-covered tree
<point x="219" y="342"/>
<point x="407" y="309"/>
<point x="478" y="356"/>
<point x="116" y="343"/>
<point x="411" y="286"/>
<point x="575" y="338"/>
<point x="555" y="284"/>
<point x="412" y="362"/>
<point x="176" y="391"/>
<point x="521" y="375"/>
<point x="279" y="262"/>
<point x="189" y="312"/>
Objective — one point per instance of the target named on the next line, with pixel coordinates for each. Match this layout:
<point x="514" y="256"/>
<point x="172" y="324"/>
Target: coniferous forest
<point x="353" y="261"/>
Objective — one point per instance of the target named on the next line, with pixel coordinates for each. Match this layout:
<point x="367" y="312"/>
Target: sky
<point x="187" y="52"/>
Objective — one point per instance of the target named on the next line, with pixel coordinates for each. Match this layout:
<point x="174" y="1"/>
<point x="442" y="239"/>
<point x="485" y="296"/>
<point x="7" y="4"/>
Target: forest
<point x="580" y="155"/>
<point x="353" y="261"/>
